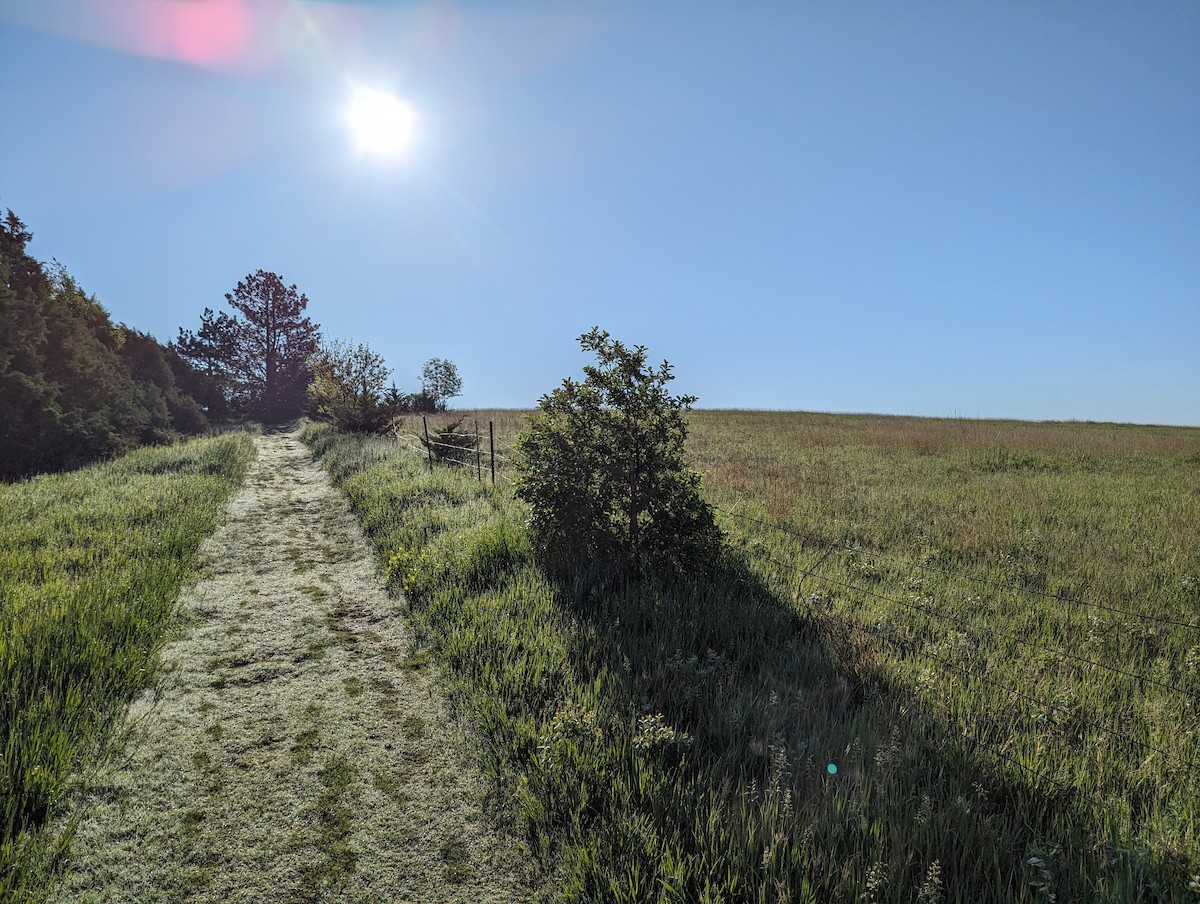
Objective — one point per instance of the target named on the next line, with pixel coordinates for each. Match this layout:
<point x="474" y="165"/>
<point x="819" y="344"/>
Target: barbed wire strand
<point x="917" y="703"/>
<point x="420" y="452"/>
<point x="980" y="743"/>
<point x="910" y="649"/>
<point x="470" y="449"/>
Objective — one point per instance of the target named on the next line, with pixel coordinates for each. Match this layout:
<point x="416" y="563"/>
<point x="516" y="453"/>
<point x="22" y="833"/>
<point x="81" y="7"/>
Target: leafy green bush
<point x="602" y="469"/>
<point x="347" y="387"/>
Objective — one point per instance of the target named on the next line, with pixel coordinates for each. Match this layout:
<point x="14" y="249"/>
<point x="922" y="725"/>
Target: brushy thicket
<point x="91" y="564"/>
<point x="672" y="743"/>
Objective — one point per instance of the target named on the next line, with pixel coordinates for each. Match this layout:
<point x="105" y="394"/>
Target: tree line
<point x="268" y="360"/>
<point x="76" y="387"/>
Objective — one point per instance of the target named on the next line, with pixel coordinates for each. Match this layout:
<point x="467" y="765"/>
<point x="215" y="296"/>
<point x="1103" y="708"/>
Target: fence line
<point x="471" y="455"/>
<point x="918" y="702"/>
<point x="420" y="452"/>
<point x="936" y="613"/>
<point x="980" y="743"/>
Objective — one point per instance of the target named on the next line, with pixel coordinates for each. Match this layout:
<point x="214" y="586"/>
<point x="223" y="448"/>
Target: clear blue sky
<point x="972" y="209"/>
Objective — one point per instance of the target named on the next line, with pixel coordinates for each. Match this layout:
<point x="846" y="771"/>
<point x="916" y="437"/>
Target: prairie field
<point x="91" y="563"/>
<point x="945" y="660"/>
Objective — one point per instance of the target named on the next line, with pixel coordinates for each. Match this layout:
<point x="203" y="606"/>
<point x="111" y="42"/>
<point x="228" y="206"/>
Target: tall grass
<point x="91" y="563"/>
<point x="675" y="743"/>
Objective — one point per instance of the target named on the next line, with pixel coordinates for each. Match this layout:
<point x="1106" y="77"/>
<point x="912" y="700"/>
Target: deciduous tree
<point x="440" y="382"/>
<point x="348" y="386"/>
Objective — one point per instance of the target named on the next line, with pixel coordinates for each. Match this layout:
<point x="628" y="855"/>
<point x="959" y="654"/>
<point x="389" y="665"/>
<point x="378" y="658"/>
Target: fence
<point x="457" y="449"/>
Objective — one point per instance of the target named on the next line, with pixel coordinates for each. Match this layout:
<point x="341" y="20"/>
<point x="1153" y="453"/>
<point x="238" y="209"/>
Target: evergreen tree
<point x="74" y="386"/>
<point x="259" y="355"/>
<point x="274" y="343"/>
<point x="28" y="411"/>
<point x="211" y="351"/>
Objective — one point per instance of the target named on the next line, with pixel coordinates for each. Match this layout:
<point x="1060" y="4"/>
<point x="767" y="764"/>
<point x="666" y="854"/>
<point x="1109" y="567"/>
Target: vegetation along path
<point x="296" y="749"/>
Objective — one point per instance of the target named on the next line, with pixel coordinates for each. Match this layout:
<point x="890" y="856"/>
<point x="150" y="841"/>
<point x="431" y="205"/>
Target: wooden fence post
<point x="478" y="455"/>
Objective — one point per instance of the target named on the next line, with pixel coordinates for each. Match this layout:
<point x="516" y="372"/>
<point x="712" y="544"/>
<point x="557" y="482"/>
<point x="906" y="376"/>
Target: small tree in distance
<point x="440" y="383"/>
<point x="602" y="468"/>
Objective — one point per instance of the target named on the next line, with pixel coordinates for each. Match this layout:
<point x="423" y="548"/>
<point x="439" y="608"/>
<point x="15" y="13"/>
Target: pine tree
<point x="273" y="345"/>
<point x="212" y="351"/>
<point x="74" y="386"/>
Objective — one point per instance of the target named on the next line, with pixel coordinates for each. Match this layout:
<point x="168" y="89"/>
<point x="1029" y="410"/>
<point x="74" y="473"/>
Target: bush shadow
<point x="791" y="730"/>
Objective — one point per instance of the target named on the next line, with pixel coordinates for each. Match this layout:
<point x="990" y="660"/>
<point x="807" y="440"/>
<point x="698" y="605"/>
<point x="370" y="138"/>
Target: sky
<point x="947" y="209"/>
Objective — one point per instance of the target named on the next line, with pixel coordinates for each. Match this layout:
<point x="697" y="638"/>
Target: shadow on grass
<point x="792" y="764"/>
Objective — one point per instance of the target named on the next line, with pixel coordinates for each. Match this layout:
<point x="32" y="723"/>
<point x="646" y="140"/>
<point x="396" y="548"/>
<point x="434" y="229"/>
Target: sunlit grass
<point x="673" y="743"/>
<point x="91" y="563"/>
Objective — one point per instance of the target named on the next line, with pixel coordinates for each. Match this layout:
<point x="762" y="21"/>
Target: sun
<point x="382" y="123"/>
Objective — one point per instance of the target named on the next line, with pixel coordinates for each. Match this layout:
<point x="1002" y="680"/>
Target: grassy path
<point x="296" y="749"/>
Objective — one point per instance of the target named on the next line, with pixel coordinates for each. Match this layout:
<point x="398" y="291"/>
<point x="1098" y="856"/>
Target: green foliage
<point x="211" y="352"/>
<point x="603" y="470"/>
<point x="274" y="344"/>
<point x="74" y="386"/>
<point x="440" y="383"/>
<point x="260" y="354"/>
<point x="90" y="567"/>
<point x="348" y="387"/>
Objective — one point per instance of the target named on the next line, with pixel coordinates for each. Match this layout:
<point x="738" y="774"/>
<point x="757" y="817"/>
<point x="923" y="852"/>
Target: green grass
<point x="672" y="743"/>
<point x="91" y="563"/>
<point x="332" y="814"/>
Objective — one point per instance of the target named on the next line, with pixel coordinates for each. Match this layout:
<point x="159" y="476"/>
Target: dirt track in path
<point x="295" y="749"/>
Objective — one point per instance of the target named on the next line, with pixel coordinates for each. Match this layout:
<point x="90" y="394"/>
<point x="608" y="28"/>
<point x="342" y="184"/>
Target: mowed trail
<point x="296" y="749"/>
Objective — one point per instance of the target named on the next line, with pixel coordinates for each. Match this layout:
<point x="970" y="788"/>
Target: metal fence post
<point x="492" y="450"/>
<point x="428" y="447"/>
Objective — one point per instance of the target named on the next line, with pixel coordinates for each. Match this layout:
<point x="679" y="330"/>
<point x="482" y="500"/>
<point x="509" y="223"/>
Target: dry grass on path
<point x="296" y="749"/>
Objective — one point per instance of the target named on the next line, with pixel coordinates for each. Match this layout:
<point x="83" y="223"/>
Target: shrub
<point x="347" y="387"/>
<point x="602" y="469"/>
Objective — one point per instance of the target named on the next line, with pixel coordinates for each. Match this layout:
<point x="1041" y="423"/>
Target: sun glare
<point x="382" y="123"/>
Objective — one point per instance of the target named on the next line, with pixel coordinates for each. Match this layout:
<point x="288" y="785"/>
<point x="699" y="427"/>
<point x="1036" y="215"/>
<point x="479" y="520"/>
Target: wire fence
<point x="465" y="451"/>
<point x="459" y="449"/>
<point x="983" y="582"/>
